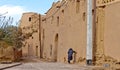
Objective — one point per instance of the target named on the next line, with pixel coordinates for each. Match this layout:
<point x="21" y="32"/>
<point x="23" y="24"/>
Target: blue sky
<point x="15" y="8"/>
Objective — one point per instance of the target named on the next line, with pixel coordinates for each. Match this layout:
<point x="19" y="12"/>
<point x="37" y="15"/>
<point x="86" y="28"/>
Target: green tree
<point x="9" y="33"/>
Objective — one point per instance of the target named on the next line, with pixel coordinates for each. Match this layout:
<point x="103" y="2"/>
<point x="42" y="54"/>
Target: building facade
<point x="65" y="26"/>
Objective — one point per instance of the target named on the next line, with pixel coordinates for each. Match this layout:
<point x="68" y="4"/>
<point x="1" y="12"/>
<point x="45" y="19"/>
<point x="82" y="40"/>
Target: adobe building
<point x="30" y="24"/>
<point x="65" y="26"/>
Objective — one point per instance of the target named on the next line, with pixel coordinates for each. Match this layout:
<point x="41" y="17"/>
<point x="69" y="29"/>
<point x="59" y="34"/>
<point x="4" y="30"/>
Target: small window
<point x="32" y="37"/>
<point x="84" y="14"/>
<point x="63" y="11"/>
<point x="58" y="21"/>
<point x="50" y="50"/>
<point x="78" y="0"/>
<point x="29" y="18"/>
<point x="77" y="6"/>
<point x="97" y="20"/>
<point x="92" y="11"/>
<point x="36" y="46"/>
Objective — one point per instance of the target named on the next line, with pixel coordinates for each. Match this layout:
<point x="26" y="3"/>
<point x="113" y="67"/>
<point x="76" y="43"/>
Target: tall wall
<point x="107" y="32"/>
<point x="111" y="30"/>
<point x="99" y="38"/>
<point x="64" y="28"/>
<point x="72" y="31"/>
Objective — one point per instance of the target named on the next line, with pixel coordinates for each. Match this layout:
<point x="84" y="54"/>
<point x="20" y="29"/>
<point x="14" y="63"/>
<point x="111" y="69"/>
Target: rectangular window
<point x="58" y="21"/>
<point x="84" y="16"/>
<point x="63" y="11"/>
<point x="77" y="6"/>
<point x="29" y="19"/>
<point x="50" y="50"/>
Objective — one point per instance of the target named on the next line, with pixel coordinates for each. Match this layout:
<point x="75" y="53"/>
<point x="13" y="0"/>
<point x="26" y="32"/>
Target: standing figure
<point x="70" y="54"/>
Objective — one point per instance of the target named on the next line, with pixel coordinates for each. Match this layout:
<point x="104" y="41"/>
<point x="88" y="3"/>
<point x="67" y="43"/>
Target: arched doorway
<point x="55" y="47"/>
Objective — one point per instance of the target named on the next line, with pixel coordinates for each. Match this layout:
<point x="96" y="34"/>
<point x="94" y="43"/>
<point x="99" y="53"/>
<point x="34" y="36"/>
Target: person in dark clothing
<point x="70" y="54"/>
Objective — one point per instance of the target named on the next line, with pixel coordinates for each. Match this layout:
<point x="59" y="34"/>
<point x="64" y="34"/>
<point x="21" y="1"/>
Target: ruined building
<point x="65" y="26"/>
<point x="30" y="24"/>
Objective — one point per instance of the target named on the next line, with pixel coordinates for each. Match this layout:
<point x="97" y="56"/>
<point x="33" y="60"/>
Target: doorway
<point x="55" y="47"/>
<point x="36" y="51"/>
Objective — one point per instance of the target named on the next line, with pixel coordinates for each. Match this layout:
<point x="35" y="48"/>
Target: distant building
<point x="30" y="25"/>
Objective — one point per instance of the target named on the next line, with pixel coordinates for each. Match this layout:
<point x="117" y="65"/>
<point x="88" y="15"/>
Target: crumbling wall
<point x="112" y="33"/>
<point x="107" y="34"/>
<point x="99" y="47"/>
<point x="30" y="25"/>
<point x="10" y="54"/>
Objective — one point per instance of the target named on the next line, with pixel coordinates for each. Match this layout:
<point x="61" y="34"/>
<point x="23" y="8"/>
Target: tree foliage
<point x="9" y="33"/>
